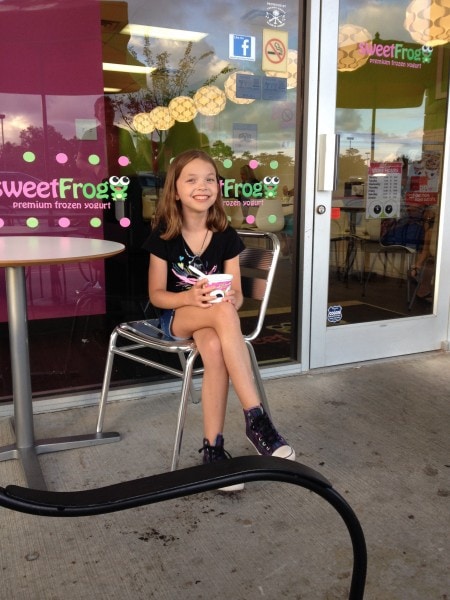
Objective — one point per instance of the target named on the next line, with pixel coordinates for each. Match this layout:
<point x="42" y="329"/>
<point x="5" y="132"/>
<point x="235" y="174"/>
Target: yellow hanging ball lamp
<point x="230" y="88"/>
<point x="428" y="21"/>
<point x="183" y="109"/>
<point x="291" y="73"/>
<point x="349" y="56"/>
<point x="161" y="118"/>
<point x="142" y="122"/>
<point x="210" y="100"/>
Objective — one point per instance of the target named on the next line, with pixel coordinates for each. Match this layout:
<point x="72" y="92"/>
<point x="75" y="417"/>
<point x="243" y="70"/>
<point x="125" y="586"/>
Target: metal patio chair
<point x="258" y="263"/>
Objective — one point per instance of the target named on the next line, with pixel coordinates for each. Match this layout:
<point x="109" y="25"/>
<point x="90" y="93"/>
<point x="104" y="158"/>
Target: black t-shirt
<point x="223" y="246"/>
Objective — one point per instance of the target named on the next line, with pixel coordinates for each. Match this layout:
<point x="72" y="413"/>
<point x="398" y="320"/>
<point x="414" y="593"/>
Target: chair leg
<point x="408" y="283"/>
<point x="185" y="391"/>
<point x="416" y="285"/>
<point x="366" y="281"/>
<point x="195" y="398"/>
<point x="258" y="379"/>
<point x="106" y="381"/>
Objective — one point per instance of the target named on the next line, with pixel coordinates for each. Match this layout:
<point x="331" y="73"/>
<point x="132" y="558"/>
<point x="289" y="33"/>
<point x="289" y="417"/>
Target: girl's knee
<point x="227" y="313"/>
<point x="212" y="356"/>
<point x="209" y="344"/>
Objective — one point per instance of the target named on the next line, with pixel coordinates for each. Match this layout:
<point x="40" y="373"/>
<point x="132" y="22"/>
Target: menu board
<point x="384" y="190"/>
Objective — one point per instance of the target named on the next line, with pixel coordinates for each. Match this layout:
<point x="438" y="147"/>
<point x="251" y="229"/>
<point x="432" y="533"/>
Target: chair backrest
<point x="258" y="263"/>
<point x="406" y="231"/>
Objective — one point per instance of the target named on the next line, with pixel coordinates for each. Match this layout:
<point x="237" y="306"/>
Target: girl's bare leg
<point x="224" y="320"/>
<point x="215" y="383"/>
<point x="218" y="331"/>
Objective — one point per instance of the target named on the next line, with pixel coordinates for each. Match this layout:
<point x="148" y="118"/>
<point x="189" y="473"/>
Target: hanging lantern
<point x="183" y="109"/>
<point x="230" y="88"/>
<point x="161" y="118"/>
<point x="428" y="21"/>
<point x="142" y="122"/>
<point x="349" y="56"/>
<point x="291" y="73"/>
<point x="210" y="100"/>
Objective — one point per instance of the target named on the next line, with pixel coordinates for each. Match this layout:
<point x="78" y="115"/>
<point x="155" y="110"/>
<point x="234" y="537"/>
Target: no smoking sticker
<point x="275" y="50"/>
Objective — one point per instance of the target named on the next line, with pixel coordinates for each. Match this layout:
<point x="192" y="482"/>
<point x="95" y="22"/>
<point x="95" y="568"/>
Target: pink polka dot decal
<point x="62" y="158"/>
<point x="64" y="222"/>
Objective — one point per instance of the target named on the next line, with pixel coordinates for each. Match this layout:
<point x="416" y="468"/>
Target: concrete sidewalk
<point x="379" y="432"/>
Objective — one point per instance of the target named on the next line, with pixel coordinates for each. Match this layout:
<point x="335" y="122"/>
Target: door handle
<point x="328" y="162"/>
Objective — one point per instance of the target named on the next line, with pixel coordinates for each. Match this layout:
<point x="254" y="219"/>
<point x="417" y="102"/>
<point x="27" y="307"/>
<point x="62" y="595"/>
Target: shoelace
<point x="265" y="429"/>
<point x="215" y="452"/>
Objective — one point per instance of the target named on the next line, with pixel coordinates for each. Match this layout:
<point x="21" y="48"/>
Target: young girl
<point x="191" y="229"/>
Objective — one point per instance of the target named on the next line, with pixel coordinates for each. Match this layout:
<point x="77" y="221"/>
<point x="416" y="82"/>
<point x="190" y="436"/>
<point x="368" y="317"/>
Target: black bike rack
<point x="185" y="482"/>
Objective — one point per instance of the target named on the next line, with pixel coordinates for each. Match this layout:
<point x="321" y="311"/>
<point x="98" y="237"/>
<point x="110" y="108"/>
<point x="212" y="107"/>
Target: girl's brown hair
<point x="169" y="215"/>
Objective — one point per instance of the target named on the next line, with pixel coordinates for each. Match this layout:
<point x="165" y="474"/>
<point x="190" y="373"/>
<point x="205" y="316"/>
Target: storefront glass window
<point x="391" y="106"/>
<point x="96" y="98"/>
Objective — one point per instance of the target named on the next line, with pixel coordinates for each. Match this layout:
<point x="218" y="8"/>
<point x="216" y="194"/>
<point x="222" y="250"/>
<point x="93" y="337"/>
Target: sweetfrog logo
<point x="396" y="52"/>
<point x="270" y="185"/>
<point x="427" y="52"/>
<point x="119" y="187"/>
<point x="381" y="209"/>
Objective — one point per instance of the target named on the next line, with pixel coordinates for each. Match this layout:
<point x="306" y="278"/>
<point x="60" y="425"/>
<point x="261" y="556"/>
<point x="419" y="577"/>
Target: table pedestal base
<point x="29" y="456"/>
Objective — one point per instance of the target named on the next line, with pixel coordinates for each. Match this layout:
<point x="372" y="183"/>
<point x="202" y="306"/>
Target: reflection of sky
<point x="383" y="16"/>
<point x="21" y="111"/>
<point x="218" y="20"/>
<point x="397" y="131"/>
<point x="25" y="110"/>
<point x="215" y="18"/>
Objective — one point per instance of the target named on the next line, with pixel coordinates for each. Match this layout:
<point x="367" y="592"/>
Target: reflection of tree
<point x="32" y="139"/>
<point x="220" y="151"/>
<point x="285" y="162"/>
<point x="165" y="82"/>
<point x="351" y="164"/>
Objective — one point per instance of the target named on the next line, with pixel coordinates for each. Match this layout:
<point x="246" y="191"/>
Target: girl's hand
<point x="230" y="297"/>
<point x="199" y="294"/>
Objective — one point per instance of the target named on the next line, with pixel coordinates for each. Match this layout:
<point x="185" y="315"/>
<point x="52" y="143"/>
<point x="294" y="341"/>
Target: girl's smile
<point x="197" y="182"/>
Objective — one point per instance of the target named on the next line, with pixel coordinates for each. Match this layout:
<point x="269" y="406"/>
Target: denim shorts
<point x="165" y="321"/>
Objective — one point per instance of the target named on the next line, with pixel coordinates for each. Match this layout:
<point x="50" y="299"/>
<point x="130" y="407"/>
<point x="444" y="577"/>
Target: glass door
<point x="385" y="213"/>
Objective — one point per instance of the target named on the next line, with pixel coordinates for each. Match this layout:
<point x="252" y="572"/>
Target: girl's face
<point x="197" y="185"/>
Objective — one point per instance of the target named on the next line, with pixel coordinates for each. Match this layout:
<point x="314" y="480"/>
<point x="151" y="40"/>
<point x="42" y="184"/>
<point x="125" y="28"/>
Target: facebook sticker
<point x="242" y="47"/>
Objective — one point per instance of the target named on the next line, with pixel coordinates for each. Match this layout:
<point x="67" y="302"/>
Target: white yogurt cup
<point x="221" y="283"/>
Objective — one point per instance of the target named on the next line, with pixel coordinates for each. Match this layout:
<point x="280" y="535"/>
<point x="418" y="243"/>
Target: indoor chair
<point x="258" y="263"/>
<point x="383" y="252"/>
<point x="337" y="237"/>
<point x="404" y="238"/>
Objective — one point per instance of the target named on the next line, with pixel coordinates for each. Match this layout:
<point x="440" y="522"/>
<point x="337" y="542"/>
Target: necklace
<point x="195" y="259"/>
<point x="203" y="243"/>
<point x="198" y="254"/>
